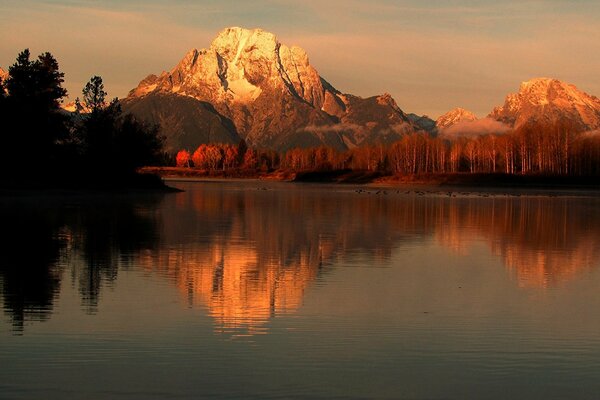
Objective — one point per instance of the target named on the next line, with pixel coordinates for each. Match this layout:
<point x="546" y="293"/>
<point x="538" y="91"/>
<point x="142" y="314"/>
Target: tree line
<point x="560" y="150"/>
<point x="44" y="143"/>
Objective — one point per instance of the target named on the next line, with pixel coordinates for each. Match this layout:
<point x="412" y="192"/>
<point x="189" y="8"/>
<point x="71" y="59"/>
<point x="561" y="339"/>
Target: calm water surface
<point x="272" y="290"/>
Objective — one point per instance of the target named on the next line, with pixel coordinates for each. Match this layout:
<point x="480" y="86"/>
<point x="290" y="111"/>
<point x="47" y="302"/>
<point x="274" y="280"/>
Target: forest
<point x="46" y="146"/>
<point x="557" y="151"/>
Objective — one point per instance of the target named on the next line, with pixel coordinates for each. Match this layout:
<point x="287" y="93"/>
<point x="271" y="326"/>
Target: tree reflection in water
<point x="92" y="236"/>
<point x="29" y="272"/>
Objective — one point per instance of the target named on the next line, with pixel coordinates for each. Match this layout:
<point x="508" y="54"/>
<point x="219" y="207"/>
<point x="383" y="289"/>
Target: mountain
<point x="184" y="121"/>
<point x="453" y="117"/>
<point x="544" y="103"/>
<point x="269" y="92"/>
<point x="424" y="123"/>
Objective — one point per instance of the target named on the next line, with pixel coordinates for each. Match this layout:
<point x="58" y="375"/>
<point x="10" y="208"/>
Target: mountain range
<point x="248" y="85"/>
<point x="541" y="104"/>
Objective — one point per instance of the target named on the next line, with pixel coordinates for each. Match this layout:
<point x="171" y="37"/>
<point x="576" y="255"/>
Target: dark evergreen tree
<point x="94" y="96"/>
<point x="2" y="93"/>
<point x="114" y="145"/>
<point x="35" y="123"/>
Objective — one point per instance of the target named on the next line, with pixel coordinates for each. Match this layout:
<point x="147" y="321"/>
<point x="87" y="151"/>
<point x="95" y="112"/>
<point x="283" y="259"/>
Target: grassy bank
<point x="347" y="176"/>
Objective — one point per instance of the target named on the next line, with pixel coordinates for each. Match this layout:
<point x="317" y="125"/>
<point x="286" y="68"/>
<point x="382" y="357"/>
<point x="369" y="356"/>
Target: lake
<point x="277" y="290"/>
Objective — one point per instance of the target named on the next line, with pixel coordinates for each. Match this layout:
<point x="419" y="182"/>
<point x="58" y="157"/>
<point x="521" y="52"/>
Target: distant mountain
<point x="264" y="92"/>
<point x="453" y="117"/>
<point x="424" y="123"/>
<point x="544" y="103"/>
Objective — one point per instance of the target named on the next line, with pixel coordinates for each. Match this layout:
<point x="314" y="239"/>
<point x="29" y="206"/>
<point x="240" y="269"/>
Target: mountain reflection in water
<point x="247" y="255"/>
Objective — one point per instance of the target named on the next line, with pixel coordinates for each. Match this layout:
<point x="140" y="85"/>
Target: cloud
<point x="476" y="128"/>
<point x="335" y="128"/>
<point x="397" y="129"/>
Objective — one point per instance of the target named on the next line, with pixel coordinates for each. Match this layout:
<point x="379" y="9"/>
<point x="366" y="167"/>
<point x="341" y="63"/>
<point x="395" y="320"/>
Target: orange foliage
<point x="560" y="152"/>
<point x="183" y="158"/>
<point x="250" y="159"/>
<point x="199" y="156"/>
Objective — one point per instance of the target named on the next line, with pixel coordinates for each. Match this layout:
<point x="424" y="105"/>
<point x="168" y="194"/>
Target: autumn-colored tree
<point x="525" y="151"/>
<point x="183" y="158"/>
<point x="293" y="159"/>
<point x="230" y="157"/>
<point x="250" y="159"/>
<point x="213" y="156"/>
<point x="199" y="158"/>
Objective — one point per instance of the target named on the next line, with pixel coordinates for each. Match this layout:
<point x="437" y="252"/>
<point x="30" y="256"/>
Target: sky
<point x="430" y="56"/>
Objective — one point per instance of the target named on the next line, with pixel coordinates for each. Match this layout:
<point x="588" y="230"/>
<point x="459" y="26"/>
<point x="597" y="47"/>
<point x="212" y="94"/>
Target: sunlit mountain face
<point x="248" y="253"/>
<point x="546" y="104"/>
<point x="248" y="85"/>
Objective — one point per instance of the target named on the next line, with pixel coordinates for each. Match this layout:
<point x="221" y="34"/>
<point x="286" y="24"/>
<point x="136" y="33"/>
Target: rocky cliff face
<point x="271" y="93"/>
<point x="546" y="103"/>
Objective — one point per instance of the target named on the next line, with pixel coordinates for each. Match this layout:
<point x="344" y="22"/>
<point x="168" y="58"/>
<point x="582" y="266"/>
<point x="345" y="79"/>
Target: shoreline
<point x="369" y="178"/>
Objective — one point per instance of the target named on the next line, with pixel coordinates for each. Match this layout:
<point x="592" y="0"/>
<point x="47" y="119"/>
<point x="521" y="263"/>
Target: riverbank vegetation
<point x="557" y="155"/>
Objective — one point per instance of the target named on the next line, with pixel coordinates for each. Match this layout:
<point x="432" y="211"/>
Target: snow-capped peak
<point x="453" y="117"/>
<point x="238" y="67"/>
<point x="230" y="43"/>
<point x="544" y="100"/>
